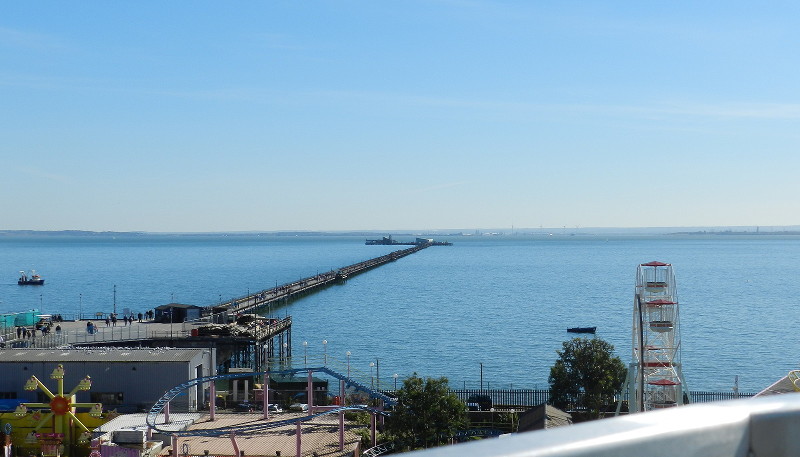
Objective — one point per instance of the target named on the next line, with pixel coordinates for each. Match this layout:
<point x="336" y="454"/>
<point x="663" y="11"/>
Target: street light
<point x="325" y="351"/>
<point x="305" y="352"/>
<point x="372" y="378"/>
<point x="348" y="364"/>
<point x="395" y="381"/>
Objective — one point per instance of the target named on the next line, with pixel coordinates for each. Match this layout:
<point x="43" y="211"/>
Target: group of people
<point x="112" y="319"/>
<point x="25" y="333"/>
<point x="29" y="333"/>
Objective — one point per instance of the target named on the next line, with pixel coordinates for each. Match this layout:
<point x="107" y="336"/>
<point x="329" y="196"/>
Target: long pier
<point x="288" y="292"/>
<point x="256" y="346"/>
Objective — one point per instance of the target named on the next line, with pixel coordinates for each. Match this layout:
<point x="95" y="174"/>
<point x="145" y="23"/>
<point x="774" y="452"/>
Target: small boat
<point x="32" y="280"/>
<point x="582" y="329"/>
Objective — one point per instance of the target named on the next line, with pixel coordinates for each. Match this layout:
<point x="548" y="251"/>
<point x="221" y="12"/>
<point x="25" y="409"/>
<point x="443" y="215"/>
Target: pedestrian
<point x="19" y="332"/>
<point x="58" y="329"/>
<point x="139" y="316"/>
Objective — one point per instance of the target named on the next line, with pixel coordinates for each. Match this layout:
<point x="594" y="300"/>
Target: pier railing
<point x="98" y="335"/>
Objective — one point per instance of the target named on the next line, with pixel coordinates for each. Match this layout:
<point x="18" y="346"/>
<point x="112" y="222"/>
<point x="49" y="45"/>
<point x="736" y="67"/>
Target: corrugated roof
<point x="100" y="355"/>
<point x="781" y="386"/>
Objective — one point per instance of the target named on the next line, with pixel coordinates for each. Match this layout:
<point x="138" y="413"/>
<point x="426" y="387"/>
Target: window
<point x="107" y="398"/>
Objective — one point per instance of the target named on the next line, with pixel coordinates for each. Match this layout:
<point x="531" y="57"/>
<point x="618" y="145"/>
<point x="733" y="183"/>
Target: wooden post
<point x="299" y="434"/>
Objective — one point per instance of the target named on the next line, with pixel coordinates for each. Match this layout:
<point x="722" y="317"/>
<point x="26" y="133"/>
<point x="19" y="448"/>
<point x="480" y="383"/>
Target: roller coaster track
<point x="169" y="395"/>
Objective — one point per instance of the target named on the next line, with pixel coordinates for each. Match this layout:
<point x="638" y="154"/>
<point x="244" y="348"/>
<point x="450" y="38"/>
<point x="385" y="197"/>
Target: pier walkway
<point x="287" y="292"/>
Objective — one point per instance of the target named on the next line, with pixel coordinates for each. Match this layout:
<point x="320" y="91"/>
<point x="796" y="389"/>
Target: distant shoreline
<point x="559" y="231"/>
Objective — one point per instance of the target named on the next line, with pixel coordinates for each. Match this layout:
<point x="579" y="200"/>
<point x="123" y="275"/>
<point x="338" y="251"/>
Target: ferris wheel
<point x="655" y="380"/>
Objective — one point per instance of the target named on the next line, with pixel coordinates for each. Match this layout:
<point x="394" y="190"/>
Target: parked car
<point x="484" y="402"/>
<point x="273" y="408"/>
<point x="302" y="407"/>
<point x="245" y="407"/>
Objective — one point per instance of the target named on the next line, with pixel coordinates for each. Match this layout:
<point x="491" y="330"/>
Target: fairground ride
<point x="56" y="430"/>
<point x="655" y="379"/>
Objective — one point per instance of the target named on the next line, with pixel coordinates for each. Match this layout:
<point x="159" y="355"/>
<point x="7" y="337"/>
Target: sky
<point x="200" y="116"/>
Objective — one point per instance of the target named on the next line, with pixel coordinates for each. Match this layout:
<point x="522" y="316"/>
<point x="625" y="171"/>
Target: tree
<point x="587" y="374"/>
<point x="426" y="413"/>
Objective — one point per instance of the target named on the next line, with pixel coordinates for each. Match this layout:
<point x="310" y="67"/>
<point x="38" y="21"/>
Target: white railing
<point x="760" y="427"/>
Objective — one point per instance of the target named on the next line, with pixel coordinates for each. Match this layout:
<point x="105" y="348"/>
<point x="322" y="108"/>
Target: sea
<point x="490" y="308"/>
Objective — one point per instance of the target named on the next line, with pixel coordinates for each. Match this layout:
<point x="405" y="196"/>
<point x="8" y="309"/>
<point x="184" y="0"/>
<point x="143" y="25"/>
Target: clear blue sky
<point x="321" y="115"/>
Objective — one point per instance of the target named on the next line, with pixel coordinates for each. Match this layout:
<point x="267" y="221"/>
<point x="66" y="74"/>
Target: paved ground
<point x="320" y="436"/>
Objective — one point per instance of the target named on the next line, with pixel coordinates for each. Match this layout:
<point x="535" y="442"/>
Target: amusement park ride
<point x="655" y="380"/>
<point x="61" y="419"/>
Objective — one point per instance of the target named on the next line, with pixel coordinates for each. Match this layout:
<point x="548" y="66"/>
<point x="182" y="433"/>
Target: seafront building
<point x="123" y="379"/>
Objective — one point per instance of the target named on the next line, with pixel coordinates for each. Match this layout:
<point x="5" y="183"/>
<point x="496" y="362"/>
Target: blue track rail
<point x="180" y="389"/>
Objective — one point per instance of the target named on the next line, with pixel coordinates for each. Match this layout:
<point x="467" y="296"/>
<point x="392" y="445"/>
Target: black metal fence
<point x="535" y="397"/>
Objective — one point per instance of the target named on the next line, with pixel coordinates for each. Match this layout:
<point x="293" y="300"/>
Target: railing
<point x="99" y="334"/>
<point x="764" y="426"/>
<point x="535" y="397"/>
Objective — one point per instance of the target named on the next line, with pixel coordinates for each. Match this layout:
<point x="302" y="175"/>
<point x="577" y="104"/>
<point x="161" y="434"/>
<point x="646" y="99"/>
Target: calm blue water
<point x="501" y="301"/>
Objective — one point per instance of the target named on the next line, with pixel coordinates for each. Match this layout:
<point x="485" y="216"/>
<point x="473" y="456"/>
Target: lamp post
<point x="80" y="306"/>
<point x="305" y="353"/>
<point x="348" y="364"/>
<point x="481" y="376"/>
<point x="395" y="381"/>
<point x="325" y="351"/>
<point x="372" y="378"/>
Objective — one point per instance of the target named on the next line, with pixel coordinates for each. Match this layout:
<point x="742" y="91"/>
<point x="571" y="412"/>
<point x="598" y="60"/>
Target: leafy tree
<point x="588" y="374"/>
<point x="426" y="413"/>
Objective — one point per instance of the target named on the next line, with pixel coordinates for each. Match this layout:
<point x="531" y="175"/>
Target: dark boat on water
<point x="582" y="329"/>
<point x="32" y="280"/>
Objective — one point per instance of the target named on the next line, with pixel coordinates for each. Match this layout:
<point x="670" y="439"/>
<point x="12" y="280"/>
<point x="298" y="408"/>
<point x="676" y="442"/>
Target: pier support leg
<point x="166" y="413"/>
